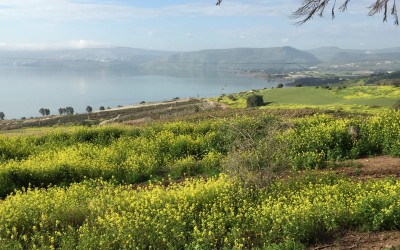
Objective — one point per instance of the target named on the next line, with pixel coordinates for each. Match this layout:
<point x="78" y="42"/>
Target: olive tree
<point x="42" y="111"/>
<point x="89" y="109"/>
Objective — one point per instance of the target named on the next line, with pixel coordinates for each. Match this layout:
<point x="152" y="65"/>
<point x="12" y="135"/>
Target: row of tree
<point x="66" y="111"/>
<point x="61" y="111"/>
<point x="44" y="112"/>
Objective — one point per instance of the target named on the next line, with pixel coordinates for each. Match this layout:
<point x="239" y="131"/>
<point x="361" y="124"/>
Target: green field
<point x="361" y="99"/>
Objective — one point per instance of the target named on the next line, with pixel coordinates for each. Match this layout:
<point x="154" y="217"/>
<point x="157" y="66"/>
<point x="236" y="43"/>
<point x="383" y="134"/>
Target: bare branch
<point x="344" y="6"/>
<point x="394" y="13"/>
<point x="309" y="8"/>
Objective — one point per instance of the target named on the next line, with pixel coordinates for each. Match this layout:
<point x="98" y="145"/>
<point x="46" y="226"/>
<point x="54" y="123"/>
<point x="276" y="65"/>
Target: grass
<point x="364" y="99"/>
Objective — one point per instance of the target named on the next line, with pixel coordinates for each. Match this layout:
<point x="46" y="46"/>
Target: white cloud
<point x="61" y="10"/>
<point x="81" y="44"/>
<point x="285" y="40"/>
<point x="75" y="44"/>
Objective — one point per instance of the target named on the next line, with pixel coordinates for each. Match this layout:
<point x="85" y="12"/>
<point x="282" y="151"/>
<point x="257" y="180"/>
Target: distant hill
<point x="81" y="57"/>
<point x="279" y="58"/>
<point x="335" y="54"/>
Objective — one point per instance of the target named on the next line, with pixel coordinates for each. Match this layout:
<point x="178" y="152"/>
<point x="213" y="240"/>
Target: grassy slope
<point x="361" y="98"/>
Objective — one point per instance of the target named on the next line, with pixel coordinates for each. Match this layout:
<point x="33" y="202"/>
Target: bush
<point x="232" y="97"/>
<point x="280" y="85"/>
<point x="255" y="101"/>
<point x="396" y="106"/>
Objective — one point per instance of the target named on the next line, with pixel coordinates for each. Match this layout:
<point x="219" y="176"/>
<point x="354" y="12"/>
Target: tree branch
<point x="310" y="8"/>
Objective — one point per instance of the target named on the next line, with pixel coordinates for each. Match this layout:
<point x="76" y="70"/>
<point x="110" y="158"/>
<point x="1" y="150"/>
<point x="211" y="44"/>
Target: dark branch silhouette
<point x="310" y="8"/>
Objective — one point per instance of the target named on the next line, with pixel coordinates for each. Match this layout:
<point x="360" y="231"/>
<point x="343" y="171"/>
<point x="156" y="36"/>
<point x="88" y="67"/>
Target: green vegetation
<point x="254" y="101"/>
<point x="127" y="155"/>
<point x="44" y="112"/>
<point x="89" y="109"/>
<point x="359" y="99"/>
<point x="196" y="214"/>
<point x="218" y="212"/>
<point x="204" y="183"/>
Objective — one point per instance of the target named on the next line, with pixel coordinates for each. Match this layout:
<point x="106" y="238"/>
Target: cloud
<point x="232" y="8"/>
<point x="62" y="10"/>
<point x="81" y="44"/>
<point x="285" y="40"/>
<point x="74" y="44"/>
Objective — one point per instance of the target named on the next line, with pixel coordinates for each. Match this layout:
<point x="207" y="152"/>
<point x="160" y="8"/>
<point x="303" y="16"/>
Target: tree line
<point x="62" y="111"/>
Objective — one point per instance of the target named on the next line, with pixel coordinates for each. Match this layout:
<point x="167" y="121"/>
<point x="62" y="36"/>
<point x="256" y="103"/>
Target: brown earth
<point x="364" y="169"/>
<point x="364" y="240"/>
<point x="376" y="167"/>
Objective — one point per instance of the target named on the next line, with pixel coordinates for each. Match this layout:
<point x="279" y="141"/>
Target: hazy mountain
<point x="334" y="54"/>
<point x="326" y="54"/>
<point x="81" y="57"/>
<point x="279" y="58"/>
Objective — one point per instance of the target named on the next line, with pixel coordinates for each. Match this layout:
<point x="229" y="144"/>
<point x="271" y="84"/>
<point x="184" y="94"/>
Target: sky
<point x="186" y="25"/>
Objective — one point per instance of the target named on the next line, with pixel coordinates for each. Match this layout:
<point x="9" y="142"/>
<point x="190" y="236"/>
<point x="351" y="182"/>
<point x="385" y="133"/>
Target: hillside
<point x="333" y="54"/>
<point x="94" y="57"/>
<point x="271" y="59"/>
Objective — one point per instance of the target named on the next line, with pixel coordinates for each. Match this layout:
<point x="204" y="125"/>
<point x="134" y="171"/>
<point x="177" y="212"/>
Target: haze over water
<point x="23" y="91"/>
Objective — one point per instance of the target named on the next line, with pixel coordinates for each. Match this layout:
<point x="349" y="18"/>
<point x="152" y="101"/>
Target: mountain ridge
<point x="280" y="59"/>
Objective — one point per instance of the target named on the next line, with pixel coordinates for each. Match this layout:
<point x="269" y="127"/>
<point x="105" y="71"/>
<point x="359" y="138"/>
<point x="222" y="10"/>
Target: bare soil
<point x="373" y="168"/>
<point x="364" y="169"/>
<point x="364" y="240"/>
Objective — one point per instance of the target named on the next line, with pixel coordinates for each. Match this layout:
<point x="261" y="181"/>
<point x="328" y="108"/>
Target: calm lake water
<point x="23" y="91"/>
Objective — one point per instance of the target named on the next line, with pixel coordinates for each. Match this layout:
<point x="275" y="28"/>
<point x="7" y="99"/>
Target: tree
<point x="102" y="108"/>
<point x="310" y="8"/>
<point x="89" y="109"/>
<point x="69" y="110"/>
<point x="2" y="115"/>
<point x="280" y="85"/>
<point x="61" y="111"/>
<point x="255" y="101"/>
<point x="42" y="112"/>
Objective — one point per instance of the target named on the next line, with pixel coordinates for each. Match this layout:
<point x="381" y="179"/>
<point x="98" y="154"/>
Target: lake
<point x="23" y="91"/>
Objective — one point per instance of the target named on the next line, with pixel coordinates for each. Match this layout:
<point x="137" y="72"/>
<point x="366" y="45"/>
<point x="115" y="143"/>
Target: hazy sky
<point x="182" y="25"/>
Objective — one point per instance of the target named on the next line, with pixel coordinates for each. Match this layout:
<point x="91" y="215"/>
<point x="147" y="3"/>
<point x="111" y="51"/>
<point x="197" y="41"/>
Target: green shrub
<point x="255" y="101"/>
